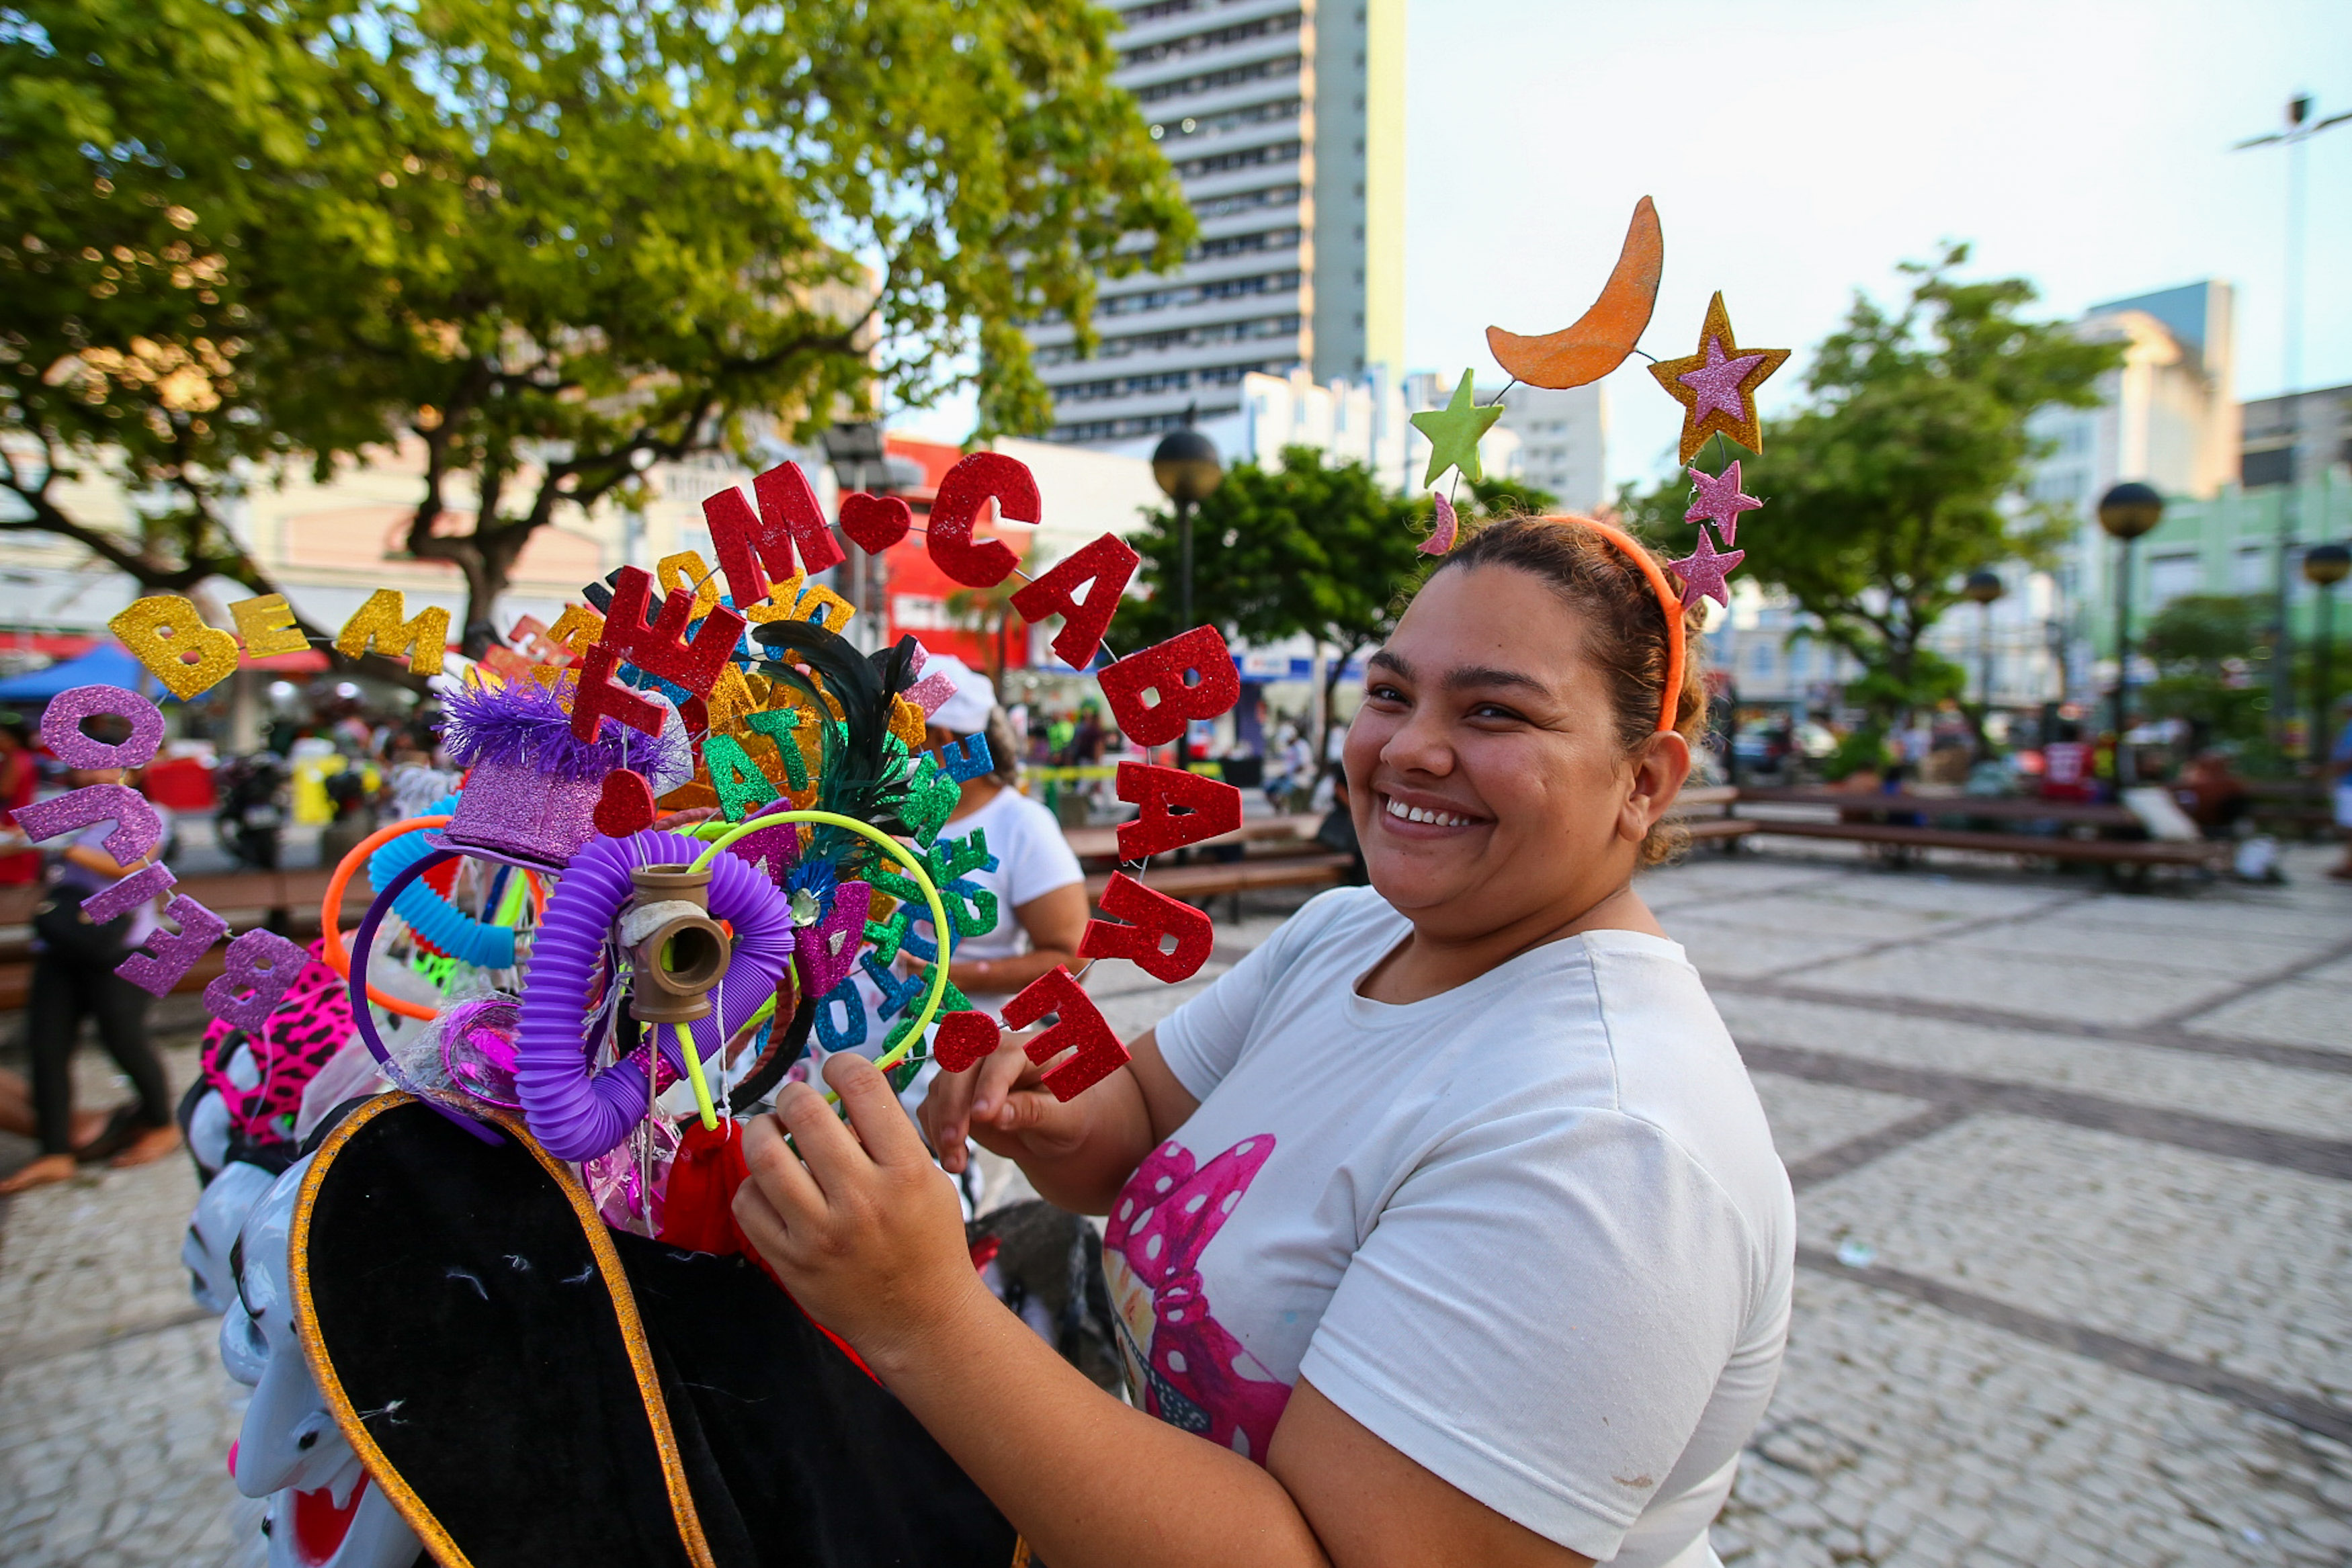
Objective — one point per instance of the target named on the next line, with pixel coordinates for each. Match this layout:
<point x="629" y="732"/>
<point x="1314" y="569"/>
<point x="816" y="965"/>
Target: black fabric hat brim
<point x="529" y="1387"/>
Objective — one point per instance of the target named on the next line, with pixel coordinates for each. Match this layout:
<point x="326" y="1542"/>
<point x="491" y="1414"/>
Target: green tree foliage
<point x="1905" y="472"/>
<point x="1306" y="548"/>
<point x="2205" y="647"/>
<point x="542" y="246"/>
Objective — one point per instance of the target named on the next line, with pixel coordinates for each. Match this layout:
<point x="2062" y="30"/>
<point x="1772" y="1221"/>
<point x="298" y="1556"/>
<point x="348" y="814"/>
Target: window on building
<point x="2171" y="576"/>
<point x="2250" y="571"/>
<point x="2256" y="469"/>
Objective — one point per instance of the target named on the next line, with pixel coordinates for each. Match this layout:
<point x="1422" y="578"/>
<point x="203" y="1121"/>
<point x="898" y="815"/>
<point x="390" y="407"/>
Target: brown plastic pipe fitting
<point x="679" y="961"/>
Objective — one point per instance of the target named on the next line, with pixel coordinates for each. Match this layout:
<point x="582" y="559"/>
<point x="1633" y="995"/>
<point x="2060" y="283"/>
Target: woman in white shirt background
<point x="1040" y="891"/>
<point x="1448" y="1217"/>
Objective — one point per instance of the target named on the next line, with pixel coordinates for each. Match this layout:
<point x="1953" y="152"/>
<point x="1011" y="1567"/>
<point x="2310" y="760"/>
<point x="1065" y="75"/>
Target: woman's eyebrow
<point x="1474" y="676"/>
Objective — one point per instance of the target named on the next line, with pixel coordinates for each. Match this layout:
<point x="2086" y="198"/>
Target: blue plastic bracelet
<point x="432" y="916"/>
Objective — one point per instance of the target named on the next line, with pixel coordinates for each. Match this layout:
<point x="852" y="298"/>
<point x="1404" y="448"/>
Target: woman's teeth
<point x="1418" y="814"/>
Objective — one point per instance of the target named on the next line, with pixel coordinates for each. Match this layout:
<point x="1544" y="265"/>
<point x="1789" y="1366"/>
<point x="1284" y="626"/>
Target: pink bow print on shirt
<point x="1194" y="1373"/>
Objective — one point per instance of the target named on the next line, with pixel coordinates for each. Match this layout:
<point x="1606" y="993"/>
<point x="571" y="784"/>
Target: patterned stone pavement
<point x="2075" y="1196"/>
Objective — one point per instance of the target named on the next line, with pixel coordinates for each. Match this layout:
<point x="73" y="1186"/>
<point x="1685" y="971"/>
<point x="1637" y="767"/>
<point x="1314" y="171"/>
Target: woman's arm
<point x="1077" y="1156"/>
<point x="870" y="1242"/>
<point x="1056" y="923"/>
<point x="101" y="862"/>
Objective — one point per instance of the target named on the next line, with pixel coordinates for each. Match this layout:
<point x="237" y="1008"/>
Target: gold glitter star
<point x="1717" y="386"/>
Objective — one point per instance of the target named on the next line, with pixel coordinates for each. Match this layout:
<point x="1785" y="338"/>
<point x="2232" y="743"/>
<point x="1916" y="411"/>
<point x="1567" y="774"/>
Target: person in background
<point x="73" y="979"/>
<point x="20" y="776"/>
<point x="2339" y="771"/>
<point x="1040" y="891"/>
<point x="1085" y="746"/>
<point x="2214" y="797"/>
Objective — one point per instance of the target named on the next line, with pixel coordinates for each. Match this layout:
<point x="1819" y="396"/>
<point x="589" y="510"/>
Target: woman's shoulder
<point x="1010" y="813"/>
<point x="1339" y="917"/>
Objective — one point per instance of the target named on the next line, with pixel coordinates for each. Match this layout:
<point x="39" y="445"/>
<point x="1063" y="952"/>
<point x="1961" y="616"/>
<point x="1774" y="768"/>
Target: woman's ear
<point x="1659" y="769"/>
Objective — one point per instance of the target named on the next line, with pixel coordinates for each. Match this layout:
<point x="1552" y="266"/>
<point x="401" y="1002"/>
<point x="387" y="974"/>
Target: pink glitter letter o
<point x="61" y="729"/>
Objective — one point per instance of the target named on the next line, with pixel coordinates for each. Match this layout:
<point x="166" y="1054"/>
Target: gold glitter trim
<point x="438" y="1541"/>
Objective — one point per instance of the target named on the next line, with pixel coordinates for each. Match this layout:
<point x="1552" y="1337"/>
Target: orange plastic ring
<point x="330" y="912"/>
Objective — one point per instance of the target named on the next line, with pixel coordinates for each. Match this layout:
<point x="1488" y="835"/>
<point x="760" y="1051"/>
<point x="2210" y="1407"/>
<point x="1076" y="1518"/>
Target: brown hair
<point x="1628" y="633"/>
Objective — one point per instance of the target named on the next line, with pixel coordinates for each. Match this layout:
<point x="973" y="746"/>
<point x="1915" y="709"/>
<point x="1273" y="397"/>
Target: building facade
<point x="1563" y="439"/>
<point x="1285" y="120"/>
<point x="2300" y="434"/>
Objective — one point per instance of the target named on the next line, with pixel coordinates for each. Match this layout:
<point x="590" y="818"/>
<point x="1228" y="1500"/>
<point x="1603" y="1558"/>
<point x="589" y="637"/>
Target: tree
<point x="127" y="179"/>
<point x="547" y="245"/>
<point x="1905" y="472"/>
<point x="2204" y="646"/>
<point x="1305" y="547"/>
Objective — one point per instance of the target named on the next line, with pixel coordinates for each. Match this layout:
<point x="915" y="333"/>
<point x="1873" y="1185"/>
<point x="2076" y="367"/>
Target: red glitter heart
<point x="962" y="1040"/>
<point x="627" y="806"/>
<point x="875" y="523"/>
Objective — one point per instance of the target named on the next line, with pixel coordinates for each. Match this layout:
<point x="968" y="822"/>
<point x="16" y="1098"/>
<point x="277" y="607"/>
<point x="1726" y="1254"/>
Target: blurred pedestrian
<point x="74" y="959"/>
<point x="2212" y="797"/>
<point x="20" y="775"/>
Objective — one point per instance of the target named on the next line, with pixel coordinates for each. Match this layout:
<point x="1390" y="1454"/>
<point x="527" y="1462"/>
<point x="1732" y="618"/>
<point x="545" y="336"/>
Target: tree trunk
<point x="1332" y="674"/>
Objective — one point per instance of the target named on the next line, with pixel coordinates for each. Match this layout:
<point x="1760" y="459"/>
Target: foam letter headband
<point x="565" y="962"/>
<point x="1716" y="387"/>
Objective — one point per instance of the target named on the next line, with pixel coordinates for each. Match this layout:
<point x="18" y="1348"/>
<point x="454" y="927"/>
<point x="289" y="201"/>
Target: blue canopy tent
<point x="108" y="664"/>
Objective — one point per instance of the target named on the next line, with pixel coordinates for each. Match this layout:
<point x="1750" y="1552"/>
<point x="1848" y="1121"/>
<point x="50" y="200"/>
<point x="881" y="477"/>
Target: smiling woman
<point x="1448" y="1217"/>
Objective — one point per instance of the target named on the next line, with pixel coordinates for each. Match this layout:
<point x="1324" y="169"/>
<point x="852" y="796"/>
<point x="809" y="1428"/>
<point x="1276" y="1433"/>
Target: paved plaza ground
<point x="2075" y="1195"/>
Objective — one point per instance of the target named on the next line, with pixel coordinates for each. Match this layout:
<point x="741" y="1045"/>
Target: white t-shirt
<point x="1532" y="1232"/>
<point x="1032" y="859"/>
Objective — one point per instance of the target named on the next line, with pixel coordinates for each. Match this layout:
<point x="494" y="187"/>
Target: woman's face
<point x="1485" y="780"/>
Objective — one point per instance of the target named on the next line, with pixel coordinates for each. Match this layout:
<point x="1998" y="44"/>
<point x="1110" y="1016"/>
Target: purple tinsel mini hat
<point x="531" y="797"/>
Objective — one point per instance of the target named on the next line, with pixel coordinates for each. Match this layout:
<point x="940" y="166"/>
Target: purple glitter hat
<point x="531" y="797"/>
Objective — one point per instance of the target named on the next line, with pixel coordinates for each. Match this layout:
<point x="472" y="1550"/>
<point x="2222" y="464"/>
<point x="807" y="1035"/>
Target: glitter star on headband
<point x="1717" y="386"/>
<point x="1719" y="501"/>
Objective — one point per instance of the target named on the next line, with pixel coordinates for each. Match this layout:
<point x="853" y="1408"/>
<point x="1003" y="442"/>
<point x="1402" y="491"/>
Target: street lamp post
<point x="1981" y="588"/>
<point x="1186" y="468"/>
<point x="860" y="461"/>
<point x="2323" y="566"/>
<point x="2125" y="512"/>
<point x="2299" y="129"/>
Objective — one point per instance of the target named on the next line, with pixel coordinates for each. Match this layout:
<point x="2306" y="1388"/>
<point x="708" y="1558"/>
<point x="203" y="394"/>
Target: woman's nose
<point x="1418" y="744"/>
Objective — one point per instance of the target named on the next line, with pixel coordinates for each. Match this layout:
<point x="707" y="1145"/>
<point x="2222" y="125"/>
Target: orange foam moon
<point x="1601" y="338"/>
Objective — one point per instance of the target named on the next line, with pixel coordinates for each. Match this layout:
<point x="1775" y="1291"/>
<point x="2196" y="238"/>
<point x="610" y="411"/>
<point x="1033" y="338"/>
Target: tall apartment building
<point x="1285" y="120"/>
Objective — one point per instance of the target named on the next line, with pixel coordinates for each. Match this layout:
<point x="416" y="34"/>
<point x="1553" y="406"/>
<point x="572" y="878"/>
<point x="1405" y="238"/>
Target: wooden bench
<point x="2141" y="853"/>
<point x="1258" y="832"/>
<point x="1860" y="820"/>
<point x="2003" y="807"/>
<point x="1230" y="879"/>
<point x="244" y="899"/>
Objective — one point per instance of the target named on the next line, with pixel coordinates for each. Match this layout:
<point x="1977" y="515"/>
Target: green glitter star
<point x="1455" y="432"/>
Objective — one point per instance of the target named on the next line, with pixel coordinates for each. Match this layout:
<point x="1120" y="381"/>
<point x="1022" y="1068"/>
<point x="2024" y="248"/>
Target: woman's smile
<point x="1427" y="817"/>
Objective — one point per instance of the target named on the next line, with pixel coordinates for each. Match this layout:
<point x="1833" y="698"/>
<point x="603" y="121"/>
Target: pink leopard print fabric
<point x="309" y="1025"/>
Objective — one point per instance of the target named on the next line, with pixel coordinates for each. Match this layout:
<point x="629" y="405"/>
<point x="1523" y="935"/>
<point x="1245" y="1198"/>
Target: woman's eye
<point x="1493" y="711"/>
<point x="1385" y="693"/>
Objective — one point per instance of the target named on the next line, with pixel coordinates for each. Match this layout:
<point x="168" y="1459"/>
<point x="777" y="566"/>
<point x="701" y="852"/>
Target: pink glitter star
<point x="1719" y="501"/>
<point x="1717" y="383"/>
<point x="1442" y="539"/>
<point x="1703" y="571"/>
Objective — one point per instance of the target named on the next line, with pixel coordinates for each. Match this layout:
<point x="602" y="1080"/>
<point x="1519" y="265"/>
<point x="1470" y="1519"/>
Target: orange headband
<point x="1668" y="599"/>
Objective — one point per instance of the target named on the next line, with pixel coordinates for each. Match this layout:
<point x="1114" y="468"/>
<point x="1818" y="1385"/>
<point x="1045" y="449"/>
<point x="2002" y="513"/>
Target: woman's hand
<point x="1001" y="1103"/>
<point x="861" y="1227"/>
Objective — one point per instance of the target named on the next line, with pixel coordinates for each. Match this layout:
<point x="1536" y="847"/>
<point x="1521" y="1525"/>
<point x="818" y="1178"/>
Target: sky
<point x="1799" y="150"/>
